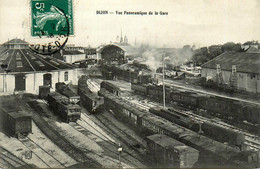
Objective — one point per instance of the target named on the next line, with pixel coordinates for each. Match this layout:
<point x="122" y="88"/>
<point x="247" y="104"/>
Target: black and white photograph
<point x="129" y="84"/>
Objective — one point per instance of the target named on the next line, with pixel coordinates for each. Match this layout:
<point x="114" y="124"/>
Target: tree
<point x="214" y="50"/>
<point x="231" y="46"/>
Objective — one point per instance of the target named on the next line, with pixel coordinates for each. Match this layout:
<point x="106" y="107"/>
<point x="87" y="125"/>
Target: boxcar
<point x="170" y="153"/>
<point x="17" y="123"/>
<point x="213" y="131"/>
<point x="208" y="147"/>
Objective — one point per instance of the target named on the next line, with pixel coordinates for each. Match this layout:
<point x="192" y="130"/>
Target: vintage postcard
<point x="129" y="84"/>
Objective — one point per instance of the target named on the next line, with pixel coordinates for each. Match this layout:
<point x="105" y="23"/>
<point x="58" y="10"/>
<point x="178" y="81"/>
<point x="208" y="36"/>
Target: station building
<point x="238" y="69"/>
<point x="16" y="44"/>
<point x="116" y="52"/>
<point x="23" y="70"/>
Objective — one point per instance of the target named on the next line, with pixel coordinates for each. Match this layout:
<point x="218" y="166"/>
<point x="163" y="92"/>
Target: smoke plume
<point x="153" y="57"/>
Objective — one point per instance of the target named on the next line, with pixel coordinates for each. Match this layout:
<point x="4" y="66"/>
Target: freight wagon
<point x="148" y="123"/>
<point x="219" y="106"/>
<point x="62" y="107"/>
<point x="218" y="133"/>
<point x="17" y="122"/>
<point x="170" y="153"/>
<point x="110" y="87"/>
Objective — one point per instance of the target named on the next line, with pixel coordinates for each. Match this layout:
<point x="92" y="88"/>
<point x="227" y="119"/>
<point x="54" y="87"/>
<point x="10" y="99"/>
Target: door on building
<point x="47" y="79"/>
<point x="20" y="82"/>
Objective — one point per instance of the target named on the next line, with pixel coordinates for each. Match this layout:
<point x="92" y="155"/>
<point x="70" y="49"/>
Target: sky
<point x="199" y="22"/>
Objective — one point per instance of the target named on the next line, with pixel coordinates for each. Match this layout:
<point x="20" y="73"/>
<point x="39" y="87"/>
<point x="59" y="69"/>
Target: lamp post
<point x="120" y="149"/>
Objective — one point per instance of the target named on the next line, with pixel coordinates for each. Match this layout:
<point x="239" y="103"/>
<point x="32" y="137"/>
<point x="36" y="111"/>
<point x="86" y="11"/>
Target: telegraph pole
<point x="163" y="80"/>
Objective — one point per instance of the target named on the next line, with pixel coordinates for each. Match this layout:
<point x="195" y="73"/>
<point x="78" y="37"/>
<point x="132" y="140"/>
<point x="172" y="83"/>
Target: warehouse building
<point x="240" y="70"/>
<point x="22" y="70"/>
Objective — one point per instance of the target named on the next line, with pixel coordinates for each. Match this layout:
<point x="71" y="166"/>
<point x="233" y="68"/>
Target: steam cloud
<point x="153" y="57"/>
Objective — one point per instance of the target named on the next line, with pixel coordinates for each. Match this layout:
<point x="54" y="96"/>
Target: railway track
<point x="129" y="132"/>
<point x="76" y="153"/>
<point x="170" y="83"/>
<point x="93" y="154"/>
<point x="30" y="144"/>
<point x="104" y="137"/>
<point x="111" y="146"/>
<point x="252" y="141"/>
<point x="127" y="143"/>
<point x="9" y="160"/>
<point x="118" y="131"/>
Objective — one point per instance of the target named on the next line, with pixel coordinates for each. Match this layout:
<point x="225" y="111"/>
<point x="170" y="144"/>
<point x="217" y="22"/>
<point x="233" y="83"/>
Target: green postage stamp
<point x="51" y="17"/>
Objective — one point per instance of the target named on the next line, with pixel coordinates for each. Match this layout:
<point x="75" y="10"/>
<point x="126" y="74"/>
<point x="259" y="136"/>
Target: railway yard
<point x="112" y="131"/>
<point x="171" y="84"/>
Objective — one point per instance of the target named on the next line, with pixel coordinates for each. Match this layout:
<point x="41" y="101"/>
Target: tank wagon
<point x="62" y="107"/>
<point x="89" y="100"/>
<point x="148" y="123"/>
<point x="222" y="107"/>
<point x="63" y="89"/>
<point x="17" y="122"/>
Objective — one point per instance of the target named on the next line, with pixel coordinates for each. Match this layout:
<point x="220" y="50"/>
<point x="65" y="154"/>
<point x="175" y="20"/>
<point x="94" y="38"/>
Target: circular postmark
<point x="51" y="25"/>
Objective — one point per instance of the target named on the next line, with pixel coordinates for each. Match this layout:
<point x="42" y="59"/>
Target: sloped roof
<point x="16" y="42"/>
<point x="24" y="60"/>
<point x="20" y="114"/>
<point x="128" y="49"/>
<point x="245" y="62"/>
<point x="72" y="52"/>
<point x="252" y="49"/>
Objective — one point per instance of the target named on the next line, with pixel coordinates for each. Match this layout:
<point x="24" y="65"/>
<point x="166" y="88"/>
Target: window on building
<point x="66" y="76"/>
<point x="252" y="76"/>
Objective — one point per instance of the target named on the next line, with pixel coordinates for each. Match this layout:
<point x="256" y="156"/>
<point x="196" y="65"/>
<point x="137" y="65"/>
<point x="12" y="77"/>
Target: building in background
<point x="238" y="69"/>
<point x="74" y="47"/>
<point x="116" y="52"/>
<point x="22" y="70"/>
<point x="91" y="53"/>
<point x="71" y="56"/>
<point x="16" y="44"/>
